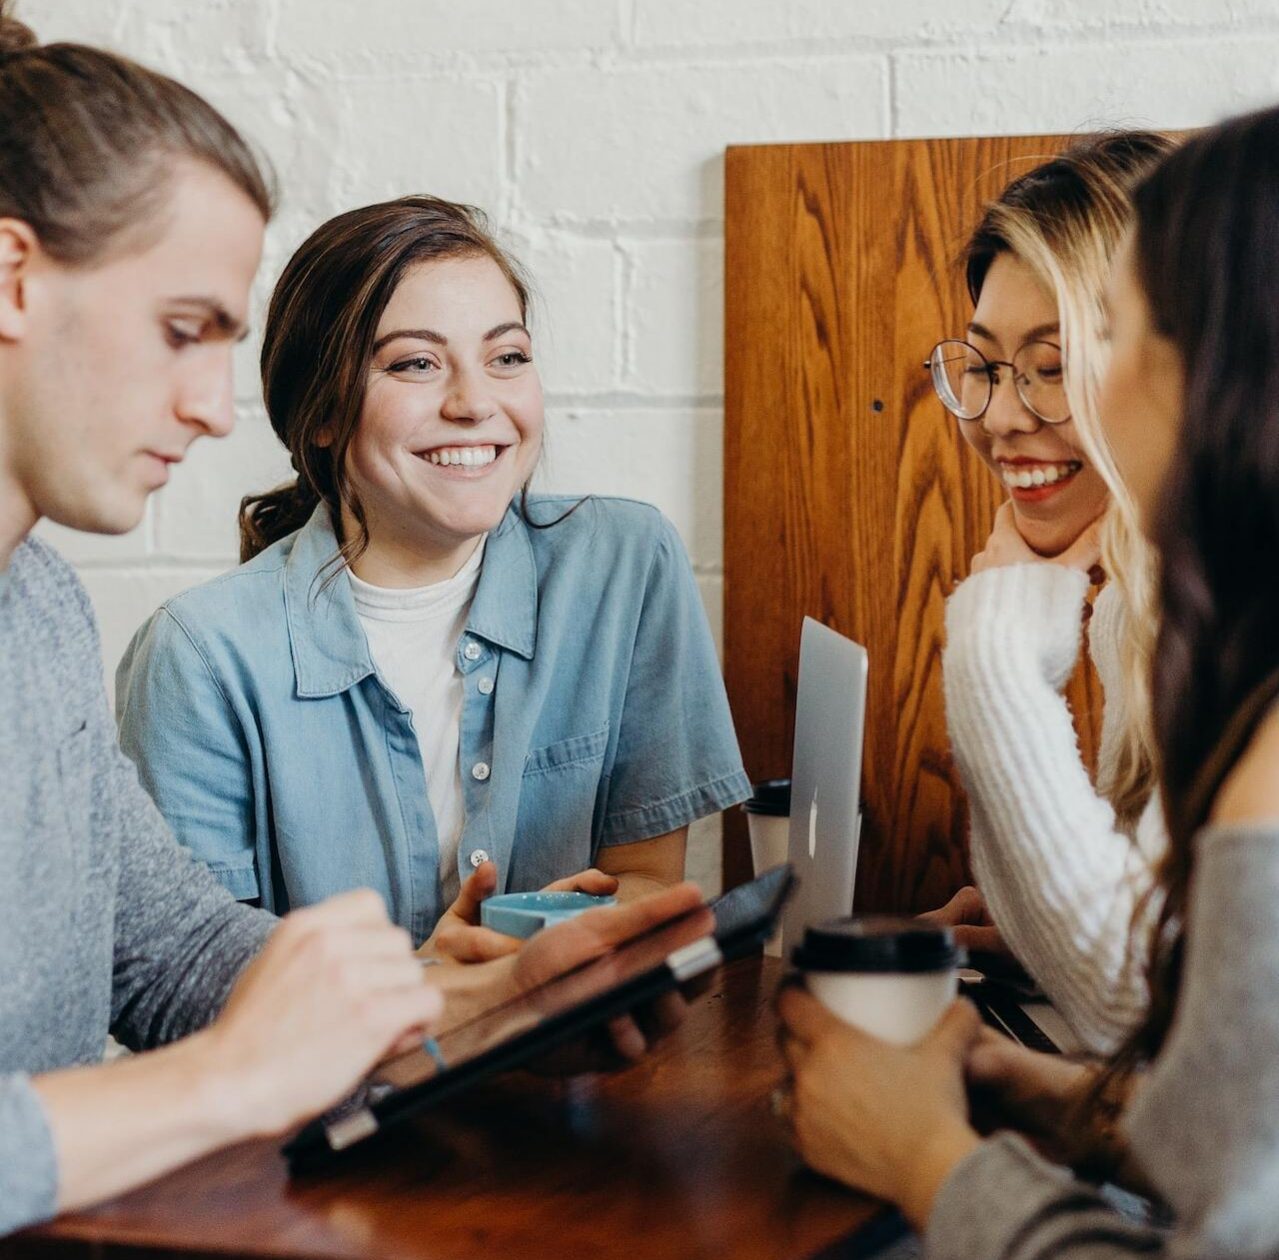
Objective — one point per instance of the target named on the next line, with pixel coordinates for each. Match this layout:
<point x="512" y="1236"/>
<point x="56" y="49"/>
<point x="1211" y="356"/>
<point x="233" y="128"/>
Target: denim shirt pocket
<point x="554" y="834"/>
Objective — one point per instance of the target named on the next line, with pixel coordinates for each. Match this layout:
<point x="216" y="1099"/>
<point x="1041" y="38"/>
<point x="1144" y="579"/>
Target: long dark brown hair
<point x="1207" y="258"/>
<point x="318" y="343"/>
<point x="88" y="140"/>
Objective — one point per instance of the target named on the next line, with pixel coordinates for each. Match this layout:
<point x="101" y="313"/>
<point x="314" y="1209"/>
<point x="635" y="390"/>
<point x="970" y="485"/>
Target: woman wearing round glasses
<point x="1062" y="862"/>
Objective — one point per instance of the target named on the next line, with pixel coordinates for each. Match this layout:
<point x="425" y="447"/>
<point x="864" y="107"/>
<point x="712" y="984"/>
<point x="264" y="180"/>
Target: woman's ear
<point x="18" y="248"/>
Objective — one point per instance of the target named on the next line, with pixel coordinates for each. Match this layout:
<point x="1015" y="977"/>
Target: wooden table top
<point x="678" y="1156"/>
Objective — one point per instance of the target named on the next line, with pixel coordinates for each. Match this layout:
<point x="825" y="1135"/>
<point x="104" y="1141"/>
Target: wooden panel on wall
<point x="849" y="494"/>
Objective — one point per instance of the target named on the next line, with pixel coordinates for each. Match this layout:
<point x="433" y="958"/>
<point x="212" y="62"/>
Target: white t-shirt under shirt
<point x="413" y="636"/>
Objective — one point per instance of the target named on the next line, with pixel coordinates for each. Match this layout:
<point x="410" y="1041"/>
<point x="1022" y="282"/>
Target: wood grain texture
<point x="849" y="494"/>
<point x="677" y="1157"/>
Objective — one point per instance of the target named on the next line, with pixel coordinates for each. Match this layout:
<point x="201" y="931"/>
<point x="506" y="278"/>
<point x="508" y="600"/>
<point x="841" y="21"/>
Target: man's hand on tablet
<point x="336" y="988"/>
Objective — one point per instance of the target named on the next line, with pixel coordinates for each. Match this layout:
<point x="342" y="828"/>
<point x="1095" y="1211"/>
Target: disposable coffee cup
<point x="891" y="977"/>
<point x="768" y="818"/>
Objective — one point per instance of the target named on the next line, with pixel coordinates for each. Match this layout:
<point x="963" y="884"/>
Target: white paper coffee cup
<point x="768" y="819"/>
<point x="890" y="977"/>
<point x="770" y="838"/>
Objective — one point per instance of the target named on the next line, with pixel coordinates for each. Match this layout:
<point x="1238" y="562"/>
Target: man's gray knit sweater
<point x="106" y="922"/>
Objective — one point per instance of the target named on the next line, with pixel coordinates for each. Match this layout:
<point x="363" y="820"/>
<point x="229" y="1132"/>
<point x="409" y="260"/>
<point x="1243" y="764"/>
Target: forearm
<point x="1061" y="881"/>
<point x="1073" y="1122"/>
<point x="930" y="1171"/>
<point x="631" y="885"/>
<point x="647" y="866"/>
<point x="1065" y="897"/>
<point x="1101" y="1151"/>
<point x="119" y="1125"/>
<point x="1003" y="1200"/>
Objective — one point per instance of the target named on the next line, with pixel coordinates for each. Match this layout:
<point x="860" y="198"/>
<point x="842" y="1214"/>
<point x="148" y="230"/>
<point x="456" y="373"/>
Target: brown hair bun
<point x="15" y="36"/>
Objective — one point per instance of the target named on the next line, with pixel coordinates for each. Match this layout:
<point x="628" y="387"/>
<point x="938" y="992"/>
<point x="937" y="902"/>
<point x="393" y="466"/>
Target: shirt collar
<point x="330" y="650"/>
<point x="504" y="611"/>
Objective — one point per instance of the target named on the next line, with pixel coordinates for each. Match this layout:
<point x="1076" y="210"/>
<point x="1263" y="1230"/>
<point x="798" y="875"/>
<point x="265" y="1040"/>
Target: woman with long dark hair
<point x="1190" y="407"/>
<point x="425" y="679"/>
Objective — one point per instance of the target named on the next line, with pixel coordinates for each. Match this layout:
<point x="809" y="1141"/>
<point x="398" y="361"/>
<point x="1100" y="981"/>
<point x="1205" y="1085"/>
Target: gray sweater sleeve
<point x="109" y="921"/>
<point x="28" y="1165"/>
<point x="1205" y="1125"/>
<point x="181" y="939"/>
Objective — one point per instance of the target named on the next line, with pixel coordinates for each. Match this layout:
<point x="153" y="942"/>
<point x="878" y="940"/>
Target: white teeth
<point x="1044" y="475"/>
<point x="463" y="456"/>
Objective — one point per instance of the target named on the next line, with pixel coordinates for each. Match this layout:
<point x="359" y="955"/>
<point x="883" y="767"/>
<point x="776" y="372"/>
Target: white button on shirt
<point x="413" y="636"/>
<point x="485" y="686"/>
<point x="480" y="771"/>
<point x="472" y="651"/>
<point x="478" y="858"/>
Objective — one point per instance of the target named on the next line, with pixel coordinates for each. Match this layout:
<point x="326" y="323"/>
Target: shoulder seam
<point x="240" y="571"/>
<point x="168" y="612"/>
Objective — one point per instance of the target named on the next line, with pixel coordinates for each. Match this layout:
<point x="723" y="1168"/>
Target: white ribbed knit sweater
<point x="1060" y="879"/>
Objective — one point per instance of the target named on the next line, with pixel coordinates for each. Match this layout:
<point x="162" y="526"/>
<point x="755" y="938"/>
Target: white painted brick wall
<point x="593" y="131"/>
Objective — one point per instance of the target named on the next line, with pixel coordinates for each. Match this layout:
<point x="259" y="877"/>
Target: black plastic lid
<point x="770" y="797"/>
<point x="878" y="943"/>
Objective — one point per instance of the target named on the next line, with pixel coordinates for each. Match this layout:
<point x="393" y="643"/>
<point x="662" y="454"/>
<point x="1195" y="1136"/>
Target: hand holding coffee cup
<point x="890" y="977"/>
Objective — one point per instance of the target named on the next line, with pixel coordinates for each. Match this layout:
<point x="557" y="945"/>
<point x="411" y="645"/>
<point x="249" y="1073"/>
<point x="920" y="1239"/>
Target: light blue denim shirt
<point x="593" y="714"/>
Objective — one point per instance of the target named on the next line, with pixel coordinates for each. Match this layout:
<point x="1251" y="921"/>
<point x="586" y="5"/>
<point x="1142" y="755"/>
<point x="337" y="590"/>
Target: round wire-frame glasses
<point x="965" y="379"/>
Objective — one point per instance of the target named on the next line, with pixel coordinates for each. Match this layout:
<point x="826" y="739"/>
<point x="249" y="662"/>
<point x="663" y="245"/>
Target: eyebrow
<point x="439" y="339"/>
<point x="1034" y="334"/>
<point x="226" y="323"/>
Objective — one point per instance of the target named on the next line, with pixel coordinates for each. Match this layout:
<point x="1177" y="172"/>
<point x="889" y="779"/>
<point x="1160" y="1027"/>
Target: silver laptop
<point x="826" y="778"/>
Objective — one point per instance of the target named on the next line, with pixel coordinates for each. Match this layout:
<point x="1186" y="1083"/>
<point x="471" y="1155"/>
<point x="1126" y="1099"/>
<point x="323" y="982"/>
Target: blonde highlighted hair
<point x="1065" y="220"/>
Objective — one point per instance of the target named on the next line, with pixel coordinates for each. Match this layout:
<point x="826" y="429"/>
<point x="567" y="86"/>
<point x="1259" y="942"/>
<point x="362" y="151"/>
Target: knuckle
<point x="370" y="902"/>
<point x="366" y="1010"/>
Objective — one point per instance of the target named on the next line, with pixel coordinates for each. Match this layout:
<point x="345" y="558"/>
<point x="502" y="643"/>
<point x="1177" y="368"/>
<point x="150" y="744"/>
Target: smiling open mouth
<point x="1028" y="477"/>
<point x="462" y="456"/>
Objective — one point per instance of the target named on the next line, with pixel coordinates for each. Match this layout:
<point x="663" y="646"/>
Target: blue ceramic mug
<point x="523" y="914"/>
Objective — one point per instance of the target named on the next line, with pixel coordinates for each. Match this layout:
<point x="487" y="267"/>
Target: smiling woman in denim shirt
<point x="424" y="679"/>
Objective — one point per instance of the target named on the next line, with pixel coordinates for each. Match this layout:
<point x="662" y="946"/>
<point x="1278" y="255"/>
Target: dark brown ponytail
<point x="265" y="518"/>
<point x="15" y="36"/>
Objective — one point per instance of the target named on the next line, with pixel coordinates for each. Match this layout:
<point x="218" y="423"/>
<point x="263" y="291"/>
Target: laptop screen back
<point x="825" y="778"/>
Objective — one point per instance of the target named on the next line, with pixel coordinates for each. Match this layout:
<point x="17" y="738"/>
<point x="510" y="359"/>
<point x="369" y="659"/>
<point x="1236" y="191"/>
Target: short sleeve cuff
<point x="240" y="881"/>
<point x="28" y="1162"/>
<point x="643" y="822"/>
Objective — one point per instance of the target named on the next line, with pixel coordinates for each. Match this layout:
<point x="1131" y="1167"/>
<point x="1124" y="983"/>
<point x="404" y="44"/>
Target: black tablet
<point x="524" y="1028"/>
